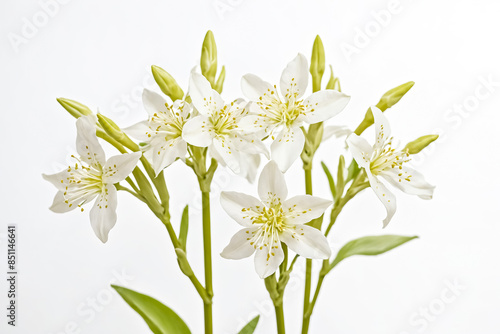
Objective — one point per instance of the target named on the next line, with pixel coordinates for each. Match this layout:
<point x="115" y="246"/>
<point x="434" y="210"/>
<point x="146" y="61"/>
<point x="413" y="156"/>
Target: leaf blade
<point x="370" y="246"/>
<point x="250" y="327"/>
<point x="160" y="318"/>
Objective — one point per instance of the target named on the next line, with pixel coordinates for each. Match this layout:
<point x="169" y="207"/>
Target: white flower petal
<point x="409" y="181"/>
<point x="287" y="147"/>
<point x="87" y="144"/>
<point x="294" y="78"/>
<point x="384" y="195"/>
<point x="254" y="87"/>
<point x="226" y="148"/>
<point x="59" y="180"/>
<point x="139" y="131"/>
<point x="241" y="207"/>
<point x="153" y="102"/>
<point x="239" y="247"/>
<point x="360" y="149"/>
<point x="304" y="208"/>
<point x="118" y="167"/>
<point x="268" y="261"/>
<point x="166" y="153"/>
<point x="307" y="241"/>
<point x="205" y="99"/>
<point x="103" y="214"/>
<point x="382" y="128"/>
<point x="249" y="168"/>
<point x="337" y="131"/>
<point x="250" y="144"/>
<point x="59" y="204"/>
<point x="272" y="185"/>
<point x="259" y="125"/>
<point x="324" y="104"/>
<point x="198" y="131"/>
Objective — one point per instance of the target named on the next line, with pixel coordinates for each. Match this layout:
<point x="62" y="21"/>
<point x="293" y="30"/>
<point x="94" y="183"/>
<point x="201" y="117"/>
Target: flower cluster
<point x="201" y="129"/>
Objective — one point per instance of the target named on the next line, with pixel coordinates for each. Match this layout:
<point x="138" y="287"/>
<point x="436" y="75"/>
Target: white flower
<point x="272" y="220"/>
<point x="162" y="132"/>
<point x="218" y="125"/>
<point x="389" y="163"/>
<point x="92" y="176"/>
<point x="337" y="131"/>
<point x="281" y="118"/>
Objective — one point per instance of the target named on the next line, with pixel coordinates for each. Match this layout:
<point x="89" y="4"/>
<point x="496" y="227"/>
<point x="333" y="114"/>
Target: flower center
<point x="84" y="182"/>
<point x="272" y="223"/>
<point x="386" y="158"/>
<point x="167" y="123"/>
<point x="226" y="119"/>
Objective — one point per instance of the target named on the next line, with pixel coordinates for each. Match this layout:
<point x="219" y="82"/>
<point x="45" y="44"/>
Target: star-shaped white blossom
<point x="162" y="132"/>
<point x="282" y="117"/>
<point x="272" y="220"/>
<point x="90" y="177"/>
<point x="218" y="126"/>
<point x="382" y="160"/>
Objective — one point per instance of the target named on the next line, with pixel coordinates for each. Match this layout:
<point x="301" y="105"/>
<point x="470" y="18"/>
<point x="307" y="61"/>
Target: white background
<point x="100" y="52"/>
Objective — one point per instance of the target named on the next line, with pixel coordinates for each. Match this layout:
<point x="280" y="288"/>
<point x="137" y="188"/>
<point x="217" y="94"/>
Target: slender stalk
<point x="307" y="285"/>
<point x="207" y="252"/>
<point x="280" y="319"/>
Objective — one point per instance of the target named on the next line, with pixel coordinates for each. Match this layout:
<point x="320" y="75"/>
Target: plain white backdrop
<point x="100" y="53"/>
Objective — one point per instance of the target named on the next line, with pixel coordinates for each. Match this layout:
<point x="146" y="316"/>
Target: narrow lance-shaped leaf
<point x="250" y="327"/>
<point x="340" y="177"/>
<point x="390" y="98"/>
<point x="333" y="82"/>
<point x="220" y="80"/>
<point x="371" y="245"/>
<point x="184" y="227"/>
<point x="160" y="318"/>
<point x="352" y="170"/>
<point x="331" y="181"/>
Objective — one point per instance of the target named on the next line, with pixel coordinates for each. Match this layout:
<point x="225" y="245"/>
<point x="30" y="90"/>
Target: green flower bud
<point x="208" y="62"/>
<point x="167" y="83"/>
<point x="419" y="144"/>
<point x="116" y="133"/>
<point x="317" y="67"/>
<point x="389" y="99"/>
<point x="76" y="109"/>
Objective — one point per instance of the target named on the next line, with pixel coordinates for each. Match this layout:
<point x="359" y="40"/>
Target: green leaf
<point x="220" y="81"/>
<point x="352" y="171"/>
<point x="333" y="83"/>
<point x="371" y="245"/>
<point x="183" y="232"/>
<point x="160" y="318"/>
<point x="250" y="327"/>
<point x="340" y="177"/>
<point x="331" y="182"/>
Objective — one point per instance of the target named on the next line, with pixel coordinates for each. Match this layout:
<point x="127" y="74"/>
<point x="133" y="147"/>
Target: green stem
<point x="307" y="285"/>
<point x="207" y="251"/>
<point x="280" y="319"/>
